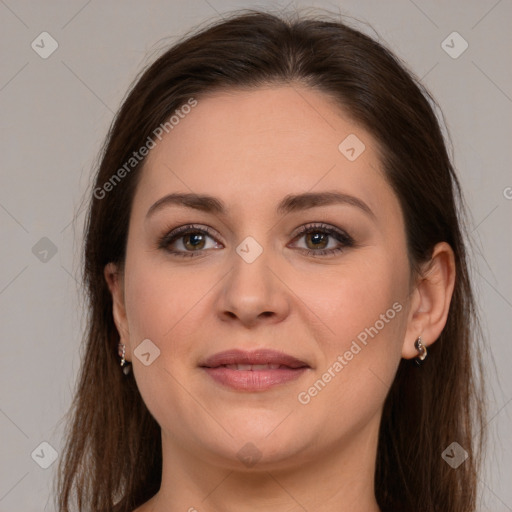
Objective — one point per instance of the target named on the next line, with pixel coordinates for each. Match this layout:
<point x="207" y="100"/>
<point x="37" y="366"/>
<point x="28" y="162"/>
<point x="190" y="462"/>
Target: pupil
<point x="196" y="236"/>
<point x="318" y="237"/>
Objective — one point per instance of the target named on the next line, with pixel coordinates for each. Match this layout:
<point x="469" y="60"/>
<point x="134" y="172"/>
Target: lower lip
<point x="253" y="380"/>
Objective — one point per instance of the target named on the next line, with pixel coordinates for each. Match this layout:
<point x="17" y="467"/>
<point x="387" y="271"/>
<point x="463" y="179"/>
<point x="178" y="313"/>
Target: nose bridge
<point x="251" y="287"/>
<point x="250" y="263"/>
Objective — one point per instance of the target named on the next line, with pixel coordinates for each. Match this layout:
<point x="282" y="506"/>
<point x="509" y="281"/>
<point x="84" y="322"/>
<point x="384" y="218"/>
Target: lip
<point x="290" y="368"/>
<point x="262" y="356"/>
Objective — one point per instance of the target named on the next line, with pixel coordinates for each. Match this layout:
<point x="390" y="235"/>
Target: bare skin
<point x="250" y="149"/>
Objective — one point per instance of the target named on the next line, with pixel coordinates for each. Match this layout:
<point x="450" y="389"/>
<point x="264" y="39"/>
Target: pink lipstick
<point x="253" y="371"/>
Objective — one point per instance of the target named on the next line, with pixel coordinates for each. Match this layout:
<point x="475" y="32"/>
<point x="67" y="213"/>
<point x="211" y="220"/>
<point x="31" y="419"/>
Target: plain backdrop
<point x="55" y="112"/>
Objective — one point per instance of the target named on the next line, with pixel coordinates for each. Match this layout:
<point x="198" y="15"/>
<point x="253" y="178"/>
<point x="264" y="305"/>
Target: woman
<point x="274" y="241"/>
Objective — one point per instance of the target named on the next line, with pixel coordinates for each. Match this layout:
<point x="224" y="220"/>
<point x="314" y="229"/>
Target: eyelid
<point x="321" y="226"/>
<point x="175" y="234"/>
<point x="334" y="232"/>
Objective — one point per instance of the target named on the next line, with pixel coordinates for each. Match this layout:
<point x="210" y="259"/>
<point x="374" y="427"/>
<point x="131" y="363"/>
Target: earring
<point x="422" y="350"/>
<point x="124" y="363"/>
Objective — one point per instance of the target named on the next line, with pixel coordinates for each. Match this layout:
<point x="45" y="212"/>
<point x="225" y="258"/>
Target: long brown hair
<point x="113" y="458"/>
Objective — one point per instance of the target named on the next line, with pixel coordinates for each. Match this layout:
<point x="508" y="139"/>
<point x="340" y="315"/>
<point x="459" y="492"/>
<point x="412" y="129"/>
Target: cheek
<point x="354" y="298"/>
<point x="159" y="306"/>
<point x="366" y="311"/>
<point x="157" y="295"/>
<point x="168" y="305"/>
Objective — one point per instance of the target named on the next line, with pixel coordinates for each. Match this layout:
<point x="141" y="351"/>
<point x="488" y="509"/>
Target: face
<point x="265" y="266"/>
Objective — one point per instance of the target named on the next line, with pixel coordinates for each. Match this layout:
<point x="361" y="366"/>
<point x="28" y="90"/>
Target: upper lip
<point x="262" y="356"/>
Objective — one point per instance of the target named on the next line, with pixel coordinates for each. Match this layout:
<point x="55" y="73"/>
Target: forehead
<point x="255" y="146"/>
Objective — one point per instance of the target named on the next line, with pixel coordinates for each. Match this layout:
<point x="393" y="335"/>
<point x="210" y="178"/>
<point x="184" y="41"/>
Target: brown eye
<point x="186" y="241"/>
<point x="193" y="240"/>
<point x="318" y="238"/>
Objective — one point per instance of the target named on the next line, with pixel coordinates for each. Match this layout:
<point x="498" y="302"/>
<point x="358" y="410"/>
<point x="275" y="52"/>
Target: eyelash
<point x="341" y="236"/>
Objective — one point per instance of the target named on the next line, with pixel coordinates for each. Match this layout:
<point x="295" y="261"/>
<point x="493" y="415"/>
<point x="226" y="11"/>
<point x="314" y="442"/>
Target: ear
<point x="431" y="299"/>
<point x="115" y="282"/>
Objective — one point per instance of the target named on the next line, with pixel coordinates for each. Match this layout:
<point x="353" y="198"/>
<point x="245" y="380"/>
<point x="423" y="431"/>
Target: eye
<point x="320" y="239"/>
<point x="190" y="240"/>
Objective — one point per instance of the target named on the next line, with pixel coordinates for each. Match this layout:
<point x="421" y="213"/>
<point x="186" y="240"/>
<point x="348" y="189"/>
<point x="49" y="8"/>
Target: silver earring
<point x="124" y="363"/>
<point x="422" y="351"/>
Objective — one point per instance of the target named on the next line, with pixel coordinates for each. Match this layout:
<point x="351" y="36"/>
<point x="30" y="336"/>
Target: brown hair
<point x="113" y="452"/>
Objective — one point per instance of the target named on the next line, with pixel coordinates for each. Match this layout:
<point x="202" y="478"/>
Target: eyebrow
<point x="288" y="204"/>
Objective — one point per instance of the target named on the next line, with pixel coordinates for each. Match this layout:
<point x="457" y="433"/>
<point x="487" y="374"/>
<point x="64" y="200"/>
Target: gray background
<point x="55" y="115"/>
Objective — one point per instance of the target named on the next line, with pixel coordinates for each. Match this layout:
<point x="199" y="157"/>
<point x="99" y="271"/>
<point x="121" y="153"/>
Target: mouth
<point x="262" y="359"/>
<point x="253" y="371"/>
<point x="254" y="367"/>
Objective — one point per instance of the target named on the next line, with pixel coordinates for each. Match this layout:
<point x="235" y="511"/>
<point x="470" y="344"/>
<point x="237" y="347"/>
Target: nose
<point x="253" y="292"/>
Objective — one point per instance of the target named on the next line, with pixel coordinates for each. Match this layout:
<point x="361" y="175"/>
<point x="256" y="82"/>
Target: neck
<point x="340" y="479"/>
